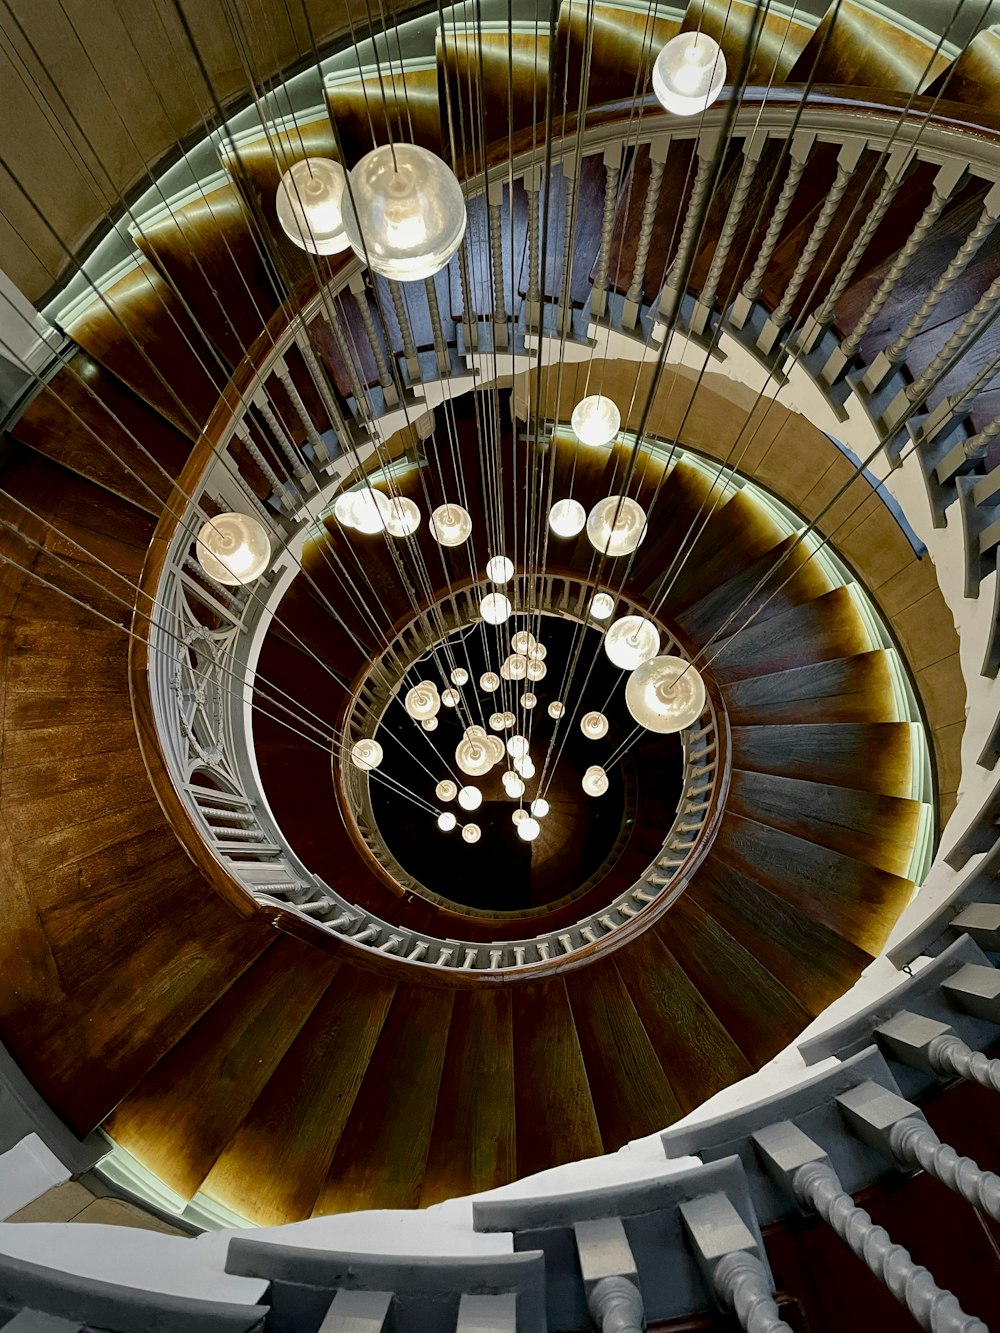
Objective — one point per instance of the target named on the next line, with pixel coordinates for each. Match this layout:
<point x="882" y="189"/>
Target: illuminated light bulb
<point x="509" y="719"/>
<point x="473" y="757"/>
<point x="403" y="517"/>
<point x="343" y="508"/>
<point x="423" y="701"/>
<point x="529" y="829"/>
<point x="499" y="569"/>
<point x="309" y="205"/>
<point x="517" y="747"/>
<point x="513" y="785"/>
<point x="446" y="821"/>
<point x="528" y="700"/>
<point x="233" y="549"/>
<point x="459" y="676"/>
<point x="616" y="525"/>
<point x="498" y="721"/>
<point x="523" y="641"/>
<point x="471" y="833"/>
<point x="601" y="606"/>
<point x="489" y="681"/>
<point x="495" y="608"/>
<point x="525" y="768"/>
<point x="567" y="518"/>
<point x="366" y="755"/>
<point x="556" y="709"/>
<point x="514" y="667"/>
<point x="430" y="724"/>
<point x="538" y="653"/>
<point x="536" y="670"/>
<point x="689" y="73"/>
<point x="596" y="420"/>
<point x="519" y="816"/>
<point x="404" y="214"/>
<point x="370" y="511"/>
<point x="595" y="781"/>
<point x="539" y="807"/>
<point x="631" y="641"/>
<point x="594" y="726"/>
<point x="495" y="746"/>
<point x="470" y="798"/>
<point x="450" y="698"/>
<point x="446" y="790"/>
<point x="451" y="525"/>
<point x="474" y="733"/>
<point x="665" y="694"/>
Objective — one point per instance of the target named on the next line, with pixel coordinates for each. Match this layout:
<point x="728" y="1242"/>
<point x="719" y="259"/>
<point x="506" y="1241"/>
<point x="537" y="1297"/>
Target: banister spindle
<point x="610" y="1276"/>
<point x="495" y="205"/>
<point x="279" y="487"/>
<point x="633" y="297"/>
<point x="799" y="155"/>
<point x="935" y="1047"/>
<point x="612" y="178"/>
<point x="730" y="1260"/>
<point x="321" y="381"/>
<point x="959" y="262"/>
<point x="470" y="320"/>
<point x="532" y="186"/>
<point x="320" y="451"/>
<point x="944" y="186"/>
<point x="752" y="149"/>
<point x="896" y="166"/>
<point x="800" y="1166"/>
<point x="967" y="453"/>
<point x="437" y="330"/>
<point x="279" y="435"/>
<point x="956" y="345"/>
<point x="957" y="405"/>
<point x="893" y="1126"/>
<point x="565" y="306"/>
<point x="359" y="291"/>
<point x="677" y="274"/>
<point x="405" y="331"/>
<point x="333" y="321"/>
<point x="847" y="161"/>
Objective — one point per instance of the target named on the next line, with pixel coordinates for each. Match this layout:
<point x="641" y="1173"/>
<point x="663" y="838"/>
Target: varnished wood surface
<point x="853" y="46"/>
<point x="778" y="39"/>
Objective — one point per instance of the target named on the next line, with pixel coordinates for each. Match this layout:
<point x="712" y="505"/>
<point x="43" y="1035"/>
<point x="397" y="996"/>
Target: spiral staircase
<point x="247" y="1052"/>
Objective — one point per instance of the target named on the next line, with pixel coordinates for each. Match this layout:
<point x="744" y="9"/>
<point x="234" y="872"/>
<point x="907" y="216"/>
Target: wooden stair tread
<point x="863" y="756"/>
<point x="273" y="1168"/>
<point x="973" y="78"/>
<point x="847" y="689"/>
<point x="779" y="38"/>
<point x="827" y="627"/>
<point x="853" y="46"/>
<point x="851" y="898"/>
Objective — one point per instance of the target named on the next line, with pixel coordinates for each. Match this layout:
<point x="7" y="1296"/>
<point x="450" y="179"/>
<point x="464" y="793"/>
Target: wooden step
<point x="779" y="39"/>
<point x="187" y="1108"/>
<point x="398" y="107"/>
<point x="848" y="896"/>
<point x="863" y="756"/>
<point x="847" y="689"/>
<point x="974" y="76"/>
<point x="273" y="1168"/>
<point x="621" y="42"/>
<point x="854" y="46"/>
<point x="827" y="627"/>
<point x="813" y="962"/>
<point x="493" y="84"/>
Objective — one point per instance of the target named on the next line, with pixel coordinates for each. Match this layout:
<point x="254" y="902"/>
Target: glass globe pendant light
<point x="233" y="549"/>
<point x="495" y="608"/>
<point x="459" y="676"/>
<point x="473" y="756"/>
<point x="309" y="205"/>
<point x="523" y="642"/>
<point x="689" y="73"/>
<point x="518" y="816"/>
<point x="596" y="420"/>
<point x="404" y="214"/>
<point x="430" y="724"/>
<point x="512" y="785"/>
<point x="567" y="518"/>
<point x="489" y="681"/>
<point x="616" y="525"/>
<point x="471" y="832"/>
<point x="403" y="517"/>
<point x="517" y="747"/>
<point x="498" y="721"/>
<point x="595" y="781"/>
<point x="451" y="525"/>
<point x="446" y="821"/>
<point x="594" y="726"/>
<point x="423" y="701"/>
<point x="474" y="733"/>
<point x="537" y="670"/>
<point x="539" y="807"/>
<point x="370" y="511"/>
<point x="366" y="755"/>
<point x="495" y="746"/>
<point x="446" y="790"/>
<point x="631" y="641"/>
<point x="665" y="694"/>
<point x="343" y="508"/>
<point x="450" y="698"/>
<point x="528" y="700"/>
<point x="499" y="569"/>
<point x="514" y="667"/>
<point x="602" y="605"/>
<point x="528" y="829"/>
<point x="556" y="709"/>
<point x="470" y="798"/>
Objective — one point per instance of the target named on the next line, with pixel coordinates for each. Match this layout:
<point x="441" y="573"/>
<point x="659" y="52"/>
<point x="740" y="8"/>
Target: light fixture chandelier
<point x="499" y="569"/>
<point x="528" y="829"/>
<point x="446" y="790"/>
<point x="446" y="821"/>
<point x="631" y="641"/>
<point x="423" y="701"/>
<point x="616" y="525"/>
<point x="403" y="517"/>
<point x="473" y="756"/>
<point x="567" y="518"/>
<point x="471" y="832"/>
<point x="459" y="676"/>
<point x="451" y="525"/>
<point x="689" y="73"/>
<point x="366" y="755"/>
<point x="665" y="694"/>
<point x="489" y="681"/>
<point x="404" y="213"/>
<point x="602" y="606"/>
<point x="596" y="420"/>
<point x="309" y="205"/>
<point x="594" y="726"/>
<point x="595" y="781"/>
<point x="495" y="608"/>
<point x="450" y="698"/>
<point x="233" y="548"/>
<point x="556" y="709"/>
<point x="470" y="798"/>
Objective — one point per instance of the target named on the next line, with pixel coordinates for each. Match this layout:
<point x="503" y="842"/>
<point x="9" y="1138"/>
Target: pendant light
<point x="422" y="701"/>
<point x="403" y="517"/>
<point x="495" y="608"/>
<point x="451" y="525"/>
<point x="602" y="606"/>
<point x="309" y="205"/>
<point x="594" y="726"/>
<point x="366" y="755"/>
<point x="499" y="569"/>
<point x="616" y="525"/>
<point x="471" y="832"/>
<point x="446" y="790"/>
<point x="595" y="781"/>
<point x="596" y="420"/>
<point x="233" y="549"/>
<point x="567" y="518"/>
<point x="631" y="641"/>
<point x="665" y="694"/>
<point x="689" y="73"/>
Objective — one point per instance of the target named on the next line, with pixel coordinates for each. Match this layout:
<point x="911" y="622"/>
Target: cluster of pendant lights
<point x="402" y="211"/>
